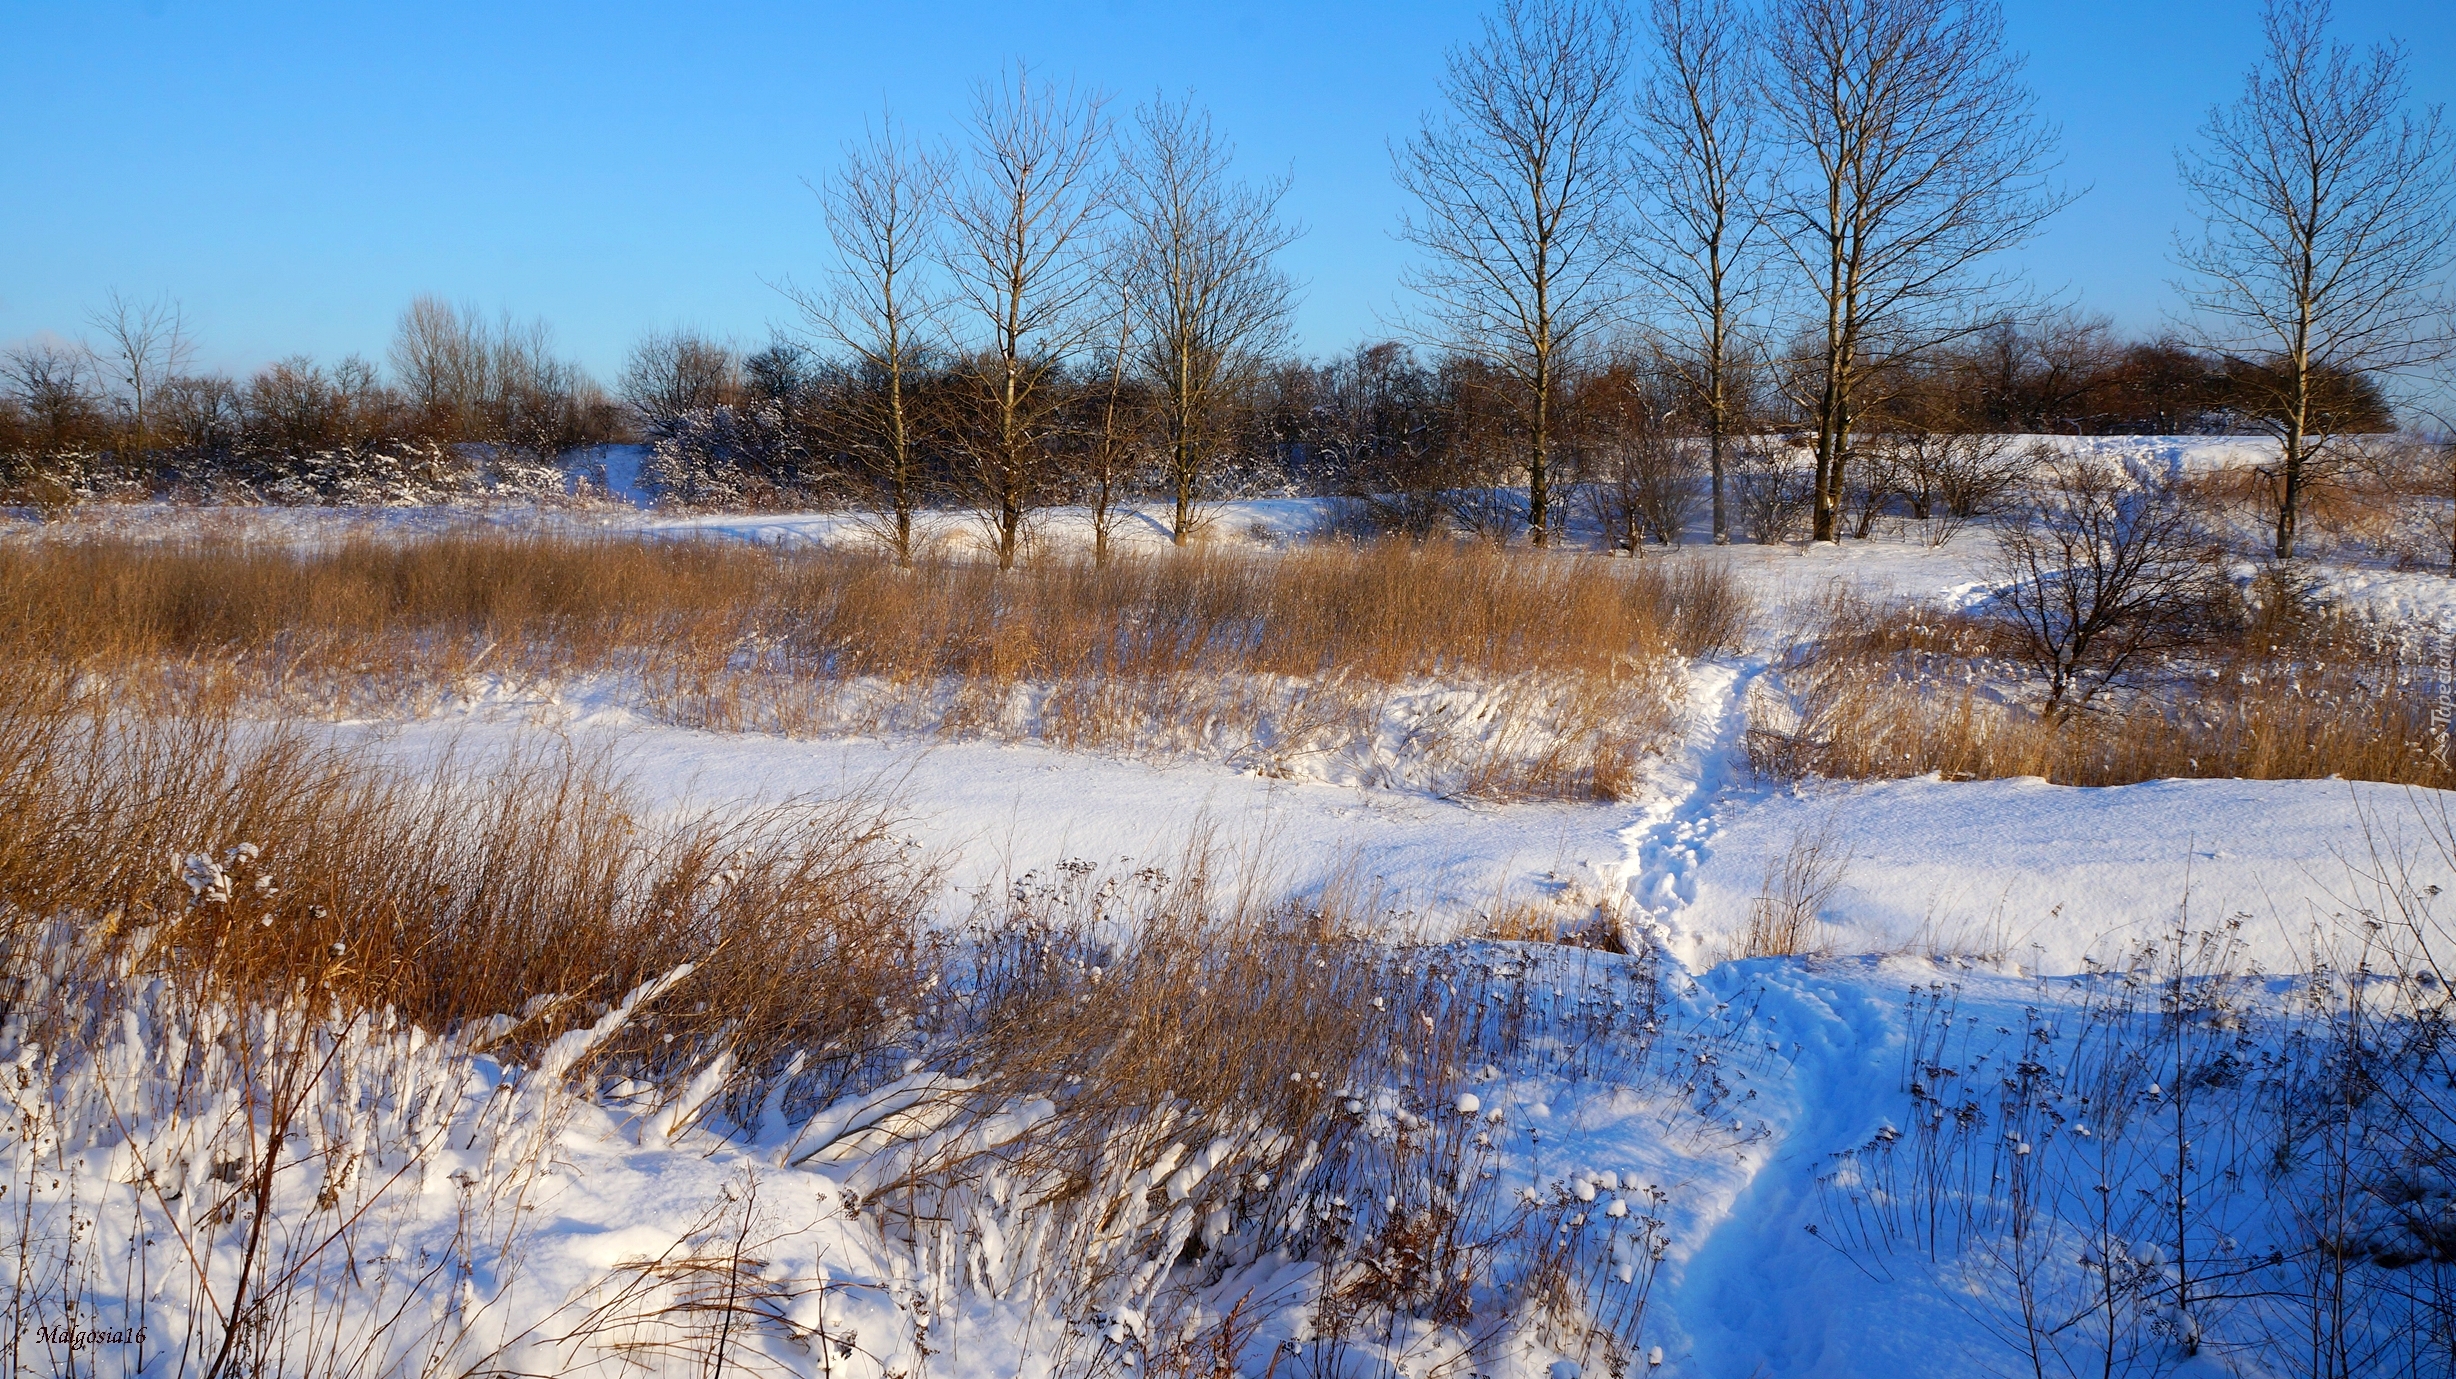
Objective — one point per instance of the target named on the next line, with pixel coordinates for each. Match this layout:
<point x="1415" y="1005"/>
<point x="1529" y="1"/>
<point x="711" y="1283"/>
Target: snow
<point x="2042" y="877"/>
<point x="2001" y="888"/>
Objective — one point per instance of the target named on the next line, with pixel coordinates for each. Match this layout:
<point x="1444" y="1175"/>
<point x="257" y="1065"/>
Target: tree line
<point x="466" y="406"/>
<point x="1669" y="248"/>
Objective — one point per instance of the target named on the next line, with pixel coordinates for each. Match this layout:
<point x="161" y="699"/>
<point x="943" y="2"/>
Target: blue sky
<point x="293" y="173"/>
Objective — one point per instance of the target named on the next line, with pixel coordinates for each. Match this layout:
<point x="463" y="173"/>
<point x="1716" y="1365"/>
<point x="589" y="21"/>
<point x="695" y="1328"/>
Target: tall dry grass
<point x="1882" y="692"/>
<point x="1267" y="657"/>
<point x="251" y="862"/>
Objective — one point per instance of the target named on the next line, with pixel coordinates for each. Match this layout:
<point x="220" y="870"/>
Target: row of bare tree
<point x="1646" y="235"/>
<point x="1809" y="195"/>
<point x="1039" y="280"/>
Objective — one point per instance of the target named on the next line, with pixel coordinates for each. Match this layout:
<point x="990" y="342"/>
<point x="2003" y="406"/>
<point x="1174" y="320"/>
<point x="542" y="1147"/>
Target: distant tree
<point x="1640" y="471"/>
<point x="2036" y="375"/>
<point x="1023" y="228"/>
<point x="675" y="371"/>
<point x="1914" y="156"/>
<point x="1212" y="307"/>
<point x="1701" y="181"/>
<point x="1374" y="425"/>
<point x="1523" y="185"/>
<point x="885" y="218"/>
<point x="501" y="386"/>
<point x="2330" y="214"/>
<point x="57" y="395"/>
<point x="539" y="407"/>
<point x="442" y="360"/>
<point x="780" y="370"/>
<point x="142" y="345"/>
<point x="2161" y="387"/>
<point x="1114" y="409"/>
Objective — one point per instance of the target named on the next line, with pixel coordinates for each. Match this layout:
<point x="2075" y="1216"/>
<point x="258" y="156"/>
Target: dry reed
<point x="1293" y="1083"/>
<point x="248" y="863"/>
<point x="1889" y="692"/>
<point x="1268" y="658"/>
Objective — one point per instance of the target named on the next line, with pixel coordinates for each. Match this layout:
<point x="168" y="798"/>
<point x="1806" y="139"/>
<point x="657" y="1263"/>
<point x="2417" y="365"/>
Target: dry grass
<point x="2285" y="694"/>
<point x="1266" y="657"/>
<point x="1783" y="921"/>
<point x="249" y="863"/>
<point x="2373" y="498"/>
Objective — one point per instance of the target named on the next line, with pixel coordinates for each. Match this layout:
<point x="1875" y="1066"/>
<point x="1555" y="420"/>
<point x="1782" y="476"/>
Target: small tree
<point x="2096" y="576"/>
<point x="1640" y="472"/>
<point x="1113" y="411"/>
<point x="672" y="372"/>
<point x="1946" y="475"/>
<point x="1914" y="156"/>
<point x="1523" y="188"/>
<point x="1703" y="246"/>
<point x="1023" y="228"/>
<point x="1212" y="308"/>
<point x="2330" y="217"/>
<point x="442" y="359"/>
<point x="1773" y="485"/>
<point x="884" y="216"/>
<point x="144" y="345"/>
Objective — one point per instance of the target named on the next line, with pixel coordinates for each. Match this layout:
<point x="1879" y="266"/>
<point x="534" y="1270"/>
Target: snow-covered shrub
<point x="1772" y="484"/>
<point x="728" y="455"/>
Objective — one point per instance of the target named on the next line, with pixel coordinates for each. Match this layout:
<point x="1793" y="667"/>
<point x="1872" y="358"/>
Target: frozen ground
<point x="1998" y="887"/>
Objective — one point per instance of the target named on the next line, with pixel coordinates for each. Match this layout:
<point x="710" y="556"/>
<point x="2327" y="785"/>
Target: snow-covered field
<point x="1714" y="1151"/>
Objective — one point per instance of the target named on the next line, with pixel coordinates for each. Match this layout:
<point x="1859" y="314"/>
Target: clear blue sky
<point x="293" y="173"/>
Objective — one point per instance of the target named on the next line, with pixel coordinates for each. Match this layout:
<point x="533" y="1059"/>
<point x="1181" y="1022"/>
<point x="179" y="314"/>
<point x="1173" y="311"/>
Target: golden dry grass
<point x="259" y="863"/>
<point x="1890" y="691"/>
<point x="1269" y="657"/>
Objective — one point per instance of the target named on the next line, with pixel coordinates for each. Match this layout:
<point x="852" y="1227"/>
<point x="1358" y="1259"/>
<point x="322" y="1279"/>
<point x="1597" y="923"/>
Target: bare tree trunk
<point x="883" y="215"/>
<point x="1701" y="246"/>
<point x="1213" y="307"/>
<point x="144" y="344"/>
<point x="1022" y="233"/>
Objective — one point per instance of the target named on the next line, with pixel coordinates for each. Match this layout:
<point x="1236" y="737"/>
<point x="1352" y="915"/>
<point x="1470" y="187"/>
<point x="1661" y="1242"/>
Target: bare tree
<point x="1641" y="475"/>
<point x="675" y="371"/>
<point x="2096" y="576"/>
<point x="1523" y="187"/>
<point x="1915" y="155"/>
<point x="143" y="345"/>
<point x="1771" y="485"/>
<point x="1948" y="476"/>
<point x="1702" y="247"/>
<point x="1022" y="230"/>
<point x="2331" y="215"/>
<point x="441" y="357"/>
<point x="60" y="400"/>
<point x="1213" y="308"/>
<point x="884" y="217"/>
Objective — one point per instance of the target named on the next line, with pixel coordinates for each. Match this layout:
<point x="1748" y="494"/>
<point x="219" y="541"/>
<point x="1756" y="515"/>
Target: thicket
<point x="468" y="409"/>
<point x="2117" y="642"/>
